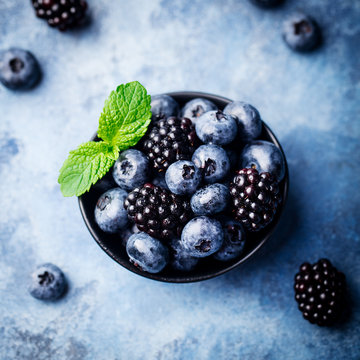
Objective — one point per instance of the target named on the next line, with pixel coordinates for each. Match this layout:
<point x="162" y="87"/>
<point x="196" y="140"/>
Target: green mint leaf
<point x="126" y="115"/>
<point x="85" y="166"/>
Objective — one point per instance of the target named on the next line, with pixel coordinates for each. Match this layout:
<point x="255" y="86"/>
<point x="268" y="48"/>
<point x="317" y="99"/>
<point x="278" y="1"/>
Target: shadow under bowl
<point x="208" y="267"/>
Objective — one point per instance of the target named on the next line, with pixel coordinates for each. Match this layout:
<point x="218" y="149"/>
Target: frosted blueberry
<point x="110" y="214"/>
<point x="183" y="177"/>
<point x="131" y="169"/>
<point x="202" y="236"/>
<point x="146" y="252"/>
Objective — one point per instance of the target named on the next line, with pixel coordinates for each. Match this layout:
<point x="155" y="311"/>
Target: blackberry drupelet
<point x="170" y="140"/>
<point x="255" y="198"/>
<point x="157" y="211"/>
<point x="320" y="291"/>
<point x="62" y="14"/>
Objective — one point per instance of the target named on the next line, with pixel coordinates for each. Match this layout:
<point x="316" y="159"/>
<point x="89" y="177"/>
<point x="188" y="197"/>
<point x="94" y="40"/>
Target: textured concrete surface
<point x="226" y="47"/>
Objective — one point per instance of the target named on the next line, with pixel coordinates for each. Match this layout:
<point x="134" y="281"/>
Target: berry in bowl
<point x="180" y="188"/>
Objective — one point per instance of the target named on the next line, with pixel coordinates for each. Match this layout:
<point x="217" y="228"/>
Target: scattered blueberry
<point x="146" y="252"/>
<point x="234" y="241"/>
<point x="163" y="106"/>
<point x="131" y="169"/>
<point x="196" y="107"/>
<point x="211" y="199"/>
<point x="264" y="157"/>
<point x="267" y="3"/>
<point x="19" y="69"/>
<point x="215" y="127"/>
<point x="183" y="177"/>
<point x="180" y="259"/>
<point x="301" y="32"/>
<point x="110" y="214"/>
<point x="202" y="236"/>
<point x="47" y="282"/>
<point x="214" y="162"/>
<point x="248" y="119"/>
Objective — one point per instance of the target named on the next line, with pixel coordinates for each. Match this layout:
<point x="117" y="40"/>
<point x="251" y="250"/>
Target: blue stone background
<point x="226" y="47"/>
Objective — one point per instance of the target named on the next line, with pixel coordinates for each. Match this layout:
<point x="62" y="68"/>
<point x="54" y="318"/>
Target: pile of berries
<point x="199" y="184"/>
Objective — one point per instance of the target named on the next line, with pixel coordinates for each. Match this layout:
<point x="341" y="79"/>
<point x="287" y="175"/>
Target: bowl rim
<point x="195" y="278"/>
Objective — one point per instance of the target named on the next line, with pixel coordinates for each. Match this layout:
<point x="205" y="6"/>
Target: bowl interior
<point x="208" y="268"/>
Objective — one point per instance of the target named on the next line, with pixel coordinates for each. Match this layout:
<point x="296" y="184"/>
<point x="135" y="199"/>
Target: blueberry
<point x="180" y="259"/>
<point x="215" y="127"/>
<point x="47" y="282"/>
<point x="196" y="107"/>
<point x="214" y="162"/>
<point x="159" y="180"/>
<point x="110" y="214"/>
<point x="126" y="232"/>
<point x="131" y="169"/>
<point x="209" y="200"/>
<point x="248" y="119"/>
<point x="163" y="106"/>
<point x="19" y="69"/>
<point x="267" y="3"/>
<point x="104" y="184"/>
<point x="202" y="236"/>
<point x="264" y="157"/>
<point x="233" y="156"/>
<point x="146" y="252"/>
<point x="301" y="32"/>
<point x="183" y="177"/>
<point x="234" y="240"/>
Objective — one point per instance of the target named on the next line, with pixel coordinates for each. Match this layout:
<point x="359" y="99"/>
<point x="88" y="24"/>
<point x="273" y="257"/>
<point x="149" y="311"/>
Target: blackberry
<point x="157" y="211"/>
<point x="255" y="198"/>
<point x="169" y="140"/>
<point x="62" y="14"/>
<point x="320" y="291"/>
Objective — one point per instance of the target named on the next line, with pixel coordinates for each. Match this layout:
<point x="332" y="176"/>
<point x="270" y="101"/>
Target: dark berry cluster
<point x="255" y="198"/>
<point x="170" y="140"/>
<point x="157" y="211"/>
<point x="62" y="14"/>
<point x="320" y="292"/>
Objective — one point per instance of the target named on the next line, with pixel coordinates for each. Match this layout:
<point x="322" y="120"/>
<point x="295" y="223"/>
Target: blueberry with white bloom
<point x="162" y="107"/>
<point x="264" y="156"/>
<point x="180" y="259"/>
<point x="110" y="214"/>
<point x="147" y="253"/>
<point x="213" y="161"/>
<point x="131" y="169"/>
<point x="248" y="119"/>
<point x="159" y="180"/>
<point x="183" y="177"/>
<point x="215" y="127"/>
<point x="209" y="200"/>
<point x="19" y="69"/>
<point x="194" y="108"/>
<point x="47" y="282"/>
<point x="234" y="240"/>
<point x="202" y="236"/>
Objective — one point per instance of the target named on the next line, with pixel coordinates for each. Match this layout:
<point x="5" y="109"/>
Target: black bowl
<point x="208" y="268"/>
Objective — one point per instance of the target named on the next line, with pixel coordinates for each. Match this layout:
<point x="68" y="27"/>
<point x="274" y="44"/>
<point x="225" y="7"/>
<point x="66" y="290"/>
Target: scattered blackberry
<point x="320" y="292"/>
<point x="255" y="198"/>
<point x="62" y="14"/>
<point x="170" y="140"/>
<point x="157" y="211"/>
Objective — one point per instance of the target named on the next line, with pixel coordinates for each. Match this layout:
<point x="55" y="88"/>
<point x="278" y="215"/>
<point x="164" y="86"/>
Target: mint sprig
<point x="123" y="122"/>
